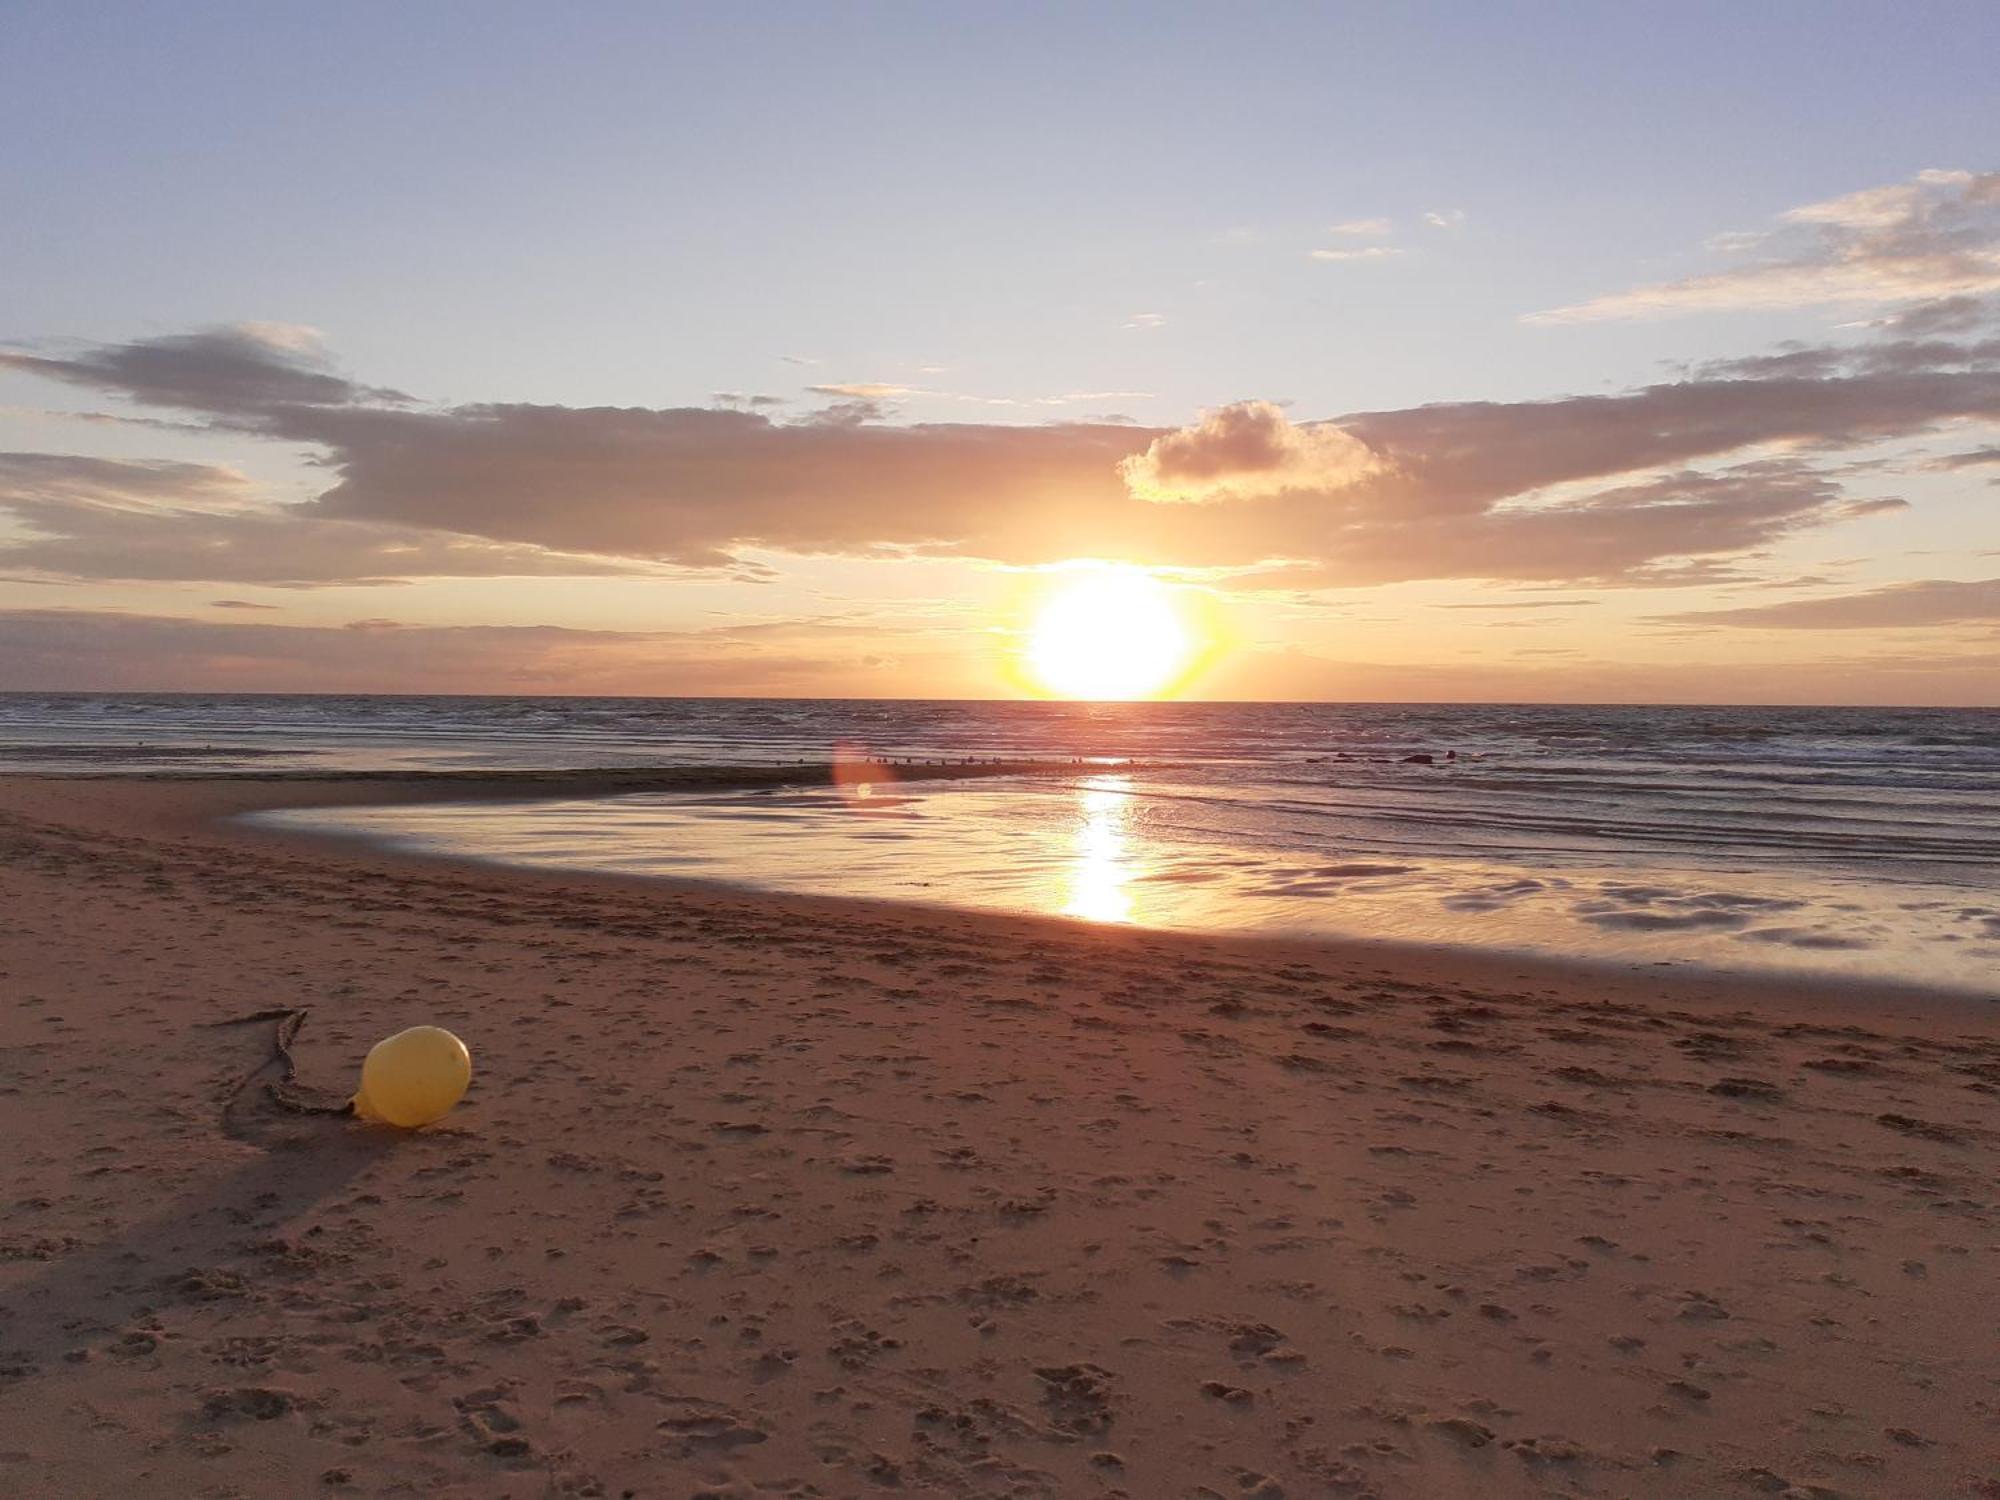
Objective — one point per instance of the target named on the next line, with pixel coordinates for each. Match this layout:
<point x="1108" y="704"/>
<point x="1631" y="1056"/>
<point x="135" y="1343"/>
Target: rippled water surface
<point x="1852" y="841"/>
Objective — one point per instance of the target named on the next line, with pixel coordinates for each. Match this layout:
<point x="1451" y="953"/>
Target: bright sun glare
<point x="1108" y="633"/>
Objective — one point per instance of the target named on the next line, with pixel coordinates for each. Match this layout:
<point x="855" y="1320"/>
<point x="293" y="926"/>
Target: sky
<point x="1636" y="353"/>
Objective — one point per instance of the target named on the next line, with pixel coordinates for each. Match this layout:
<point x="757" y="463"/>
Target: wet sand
<point x="767" y="1195"/>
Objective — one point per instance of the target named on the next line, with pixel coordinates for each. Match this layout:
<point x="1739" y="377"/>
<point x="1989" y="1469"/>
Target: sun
<point x="1111" y="632"/>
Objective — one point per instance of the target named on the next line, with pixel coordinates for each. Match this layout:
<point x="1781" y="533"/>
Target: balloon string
<point x="285" y="1091"/>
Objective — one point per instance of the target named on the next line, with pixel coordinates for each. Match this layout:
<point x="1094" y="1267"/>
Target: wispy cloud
<point x="865" y="390"/>
<point x="1976" y="458"/>
<point x="108" y="650"/>
<point x="1935" y="236"/>
<point x="877" y="396"/>
<point x="1379" y="229"/>
<point x="1945" y="316"/>
<point x="1366" y="252"/>
<point x="1527" y="604"/>
<point x="1146" y="320"/>
<point x="1918" y="604"/>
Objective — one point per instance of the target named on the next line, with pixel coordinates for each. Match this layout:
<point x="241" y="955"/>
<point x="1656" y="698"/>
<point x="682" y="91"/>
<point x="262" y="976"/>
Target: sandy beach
<point x="759" y="1195"/>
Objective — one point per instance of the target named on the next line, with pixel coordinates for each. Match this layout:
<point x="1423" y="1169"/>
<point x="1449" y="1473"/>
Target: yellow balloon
<point x="413" y="1077"/>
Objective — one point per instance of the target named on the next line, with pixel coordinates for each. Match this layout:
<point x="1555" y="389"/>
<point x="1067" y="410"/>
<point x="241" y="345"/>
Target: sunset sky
<point x="1422" y="352"/>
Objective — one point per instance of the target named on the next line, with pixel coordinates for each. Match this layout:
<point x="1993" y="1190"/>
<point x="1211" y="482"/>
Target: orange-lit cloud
<point x="111" y="650"/>
<point x="114" y="519"/>
<point x="1669" y="482"/>
<point x="1927" y="602"/>
<point x="108" y="650"/>
<point x="1247" y="451"/>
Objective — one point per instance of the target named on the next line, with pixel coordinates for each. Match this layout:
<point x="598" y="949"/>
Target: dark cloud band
<point x="1654" y="485"/>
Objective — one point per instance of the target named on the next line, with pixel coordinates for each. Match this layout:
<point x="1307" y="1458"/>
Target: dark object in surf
<point x="1419" y="760"/>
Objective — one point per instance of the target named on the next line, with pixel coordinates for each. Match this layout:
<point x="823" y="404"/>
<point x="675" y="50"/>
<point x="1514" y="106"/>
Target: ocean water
<point x="1840" y="841"/>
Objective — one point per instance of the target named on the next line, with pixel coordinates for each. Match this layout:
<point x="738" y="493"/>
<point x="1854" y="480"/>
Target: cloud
<point x="1667" y="531"/>
<point x="1362" y="228"/>
<point x="239" y="367"/>
<point x="1369" y="252"/>
<point x="1079" y="398"/>
<point x="1922" y="603"/>
<point x="1642" y="488"/>
<point x="1882" y="356"/>
<point x="112" y="519"/>
<point x="1978" y="457"/>
<point x="865" y="390"/>
<point x="1946" y="315"/>
<point x="1246" y="450"/>
<point x="857" y="412"/>
<point x="694" y="487"/>
<point x="1527" y="604"/>
<point x="1146" y="320"/>
<point x="1877" y="505"/>
<point x="112" y="651"/>
<point x="1934" y="237"/>
<point x="1445" y="218"/>
<point x="1454" y="453"/>
<point x="61" y="478"/>
<point x="870" y="400"/>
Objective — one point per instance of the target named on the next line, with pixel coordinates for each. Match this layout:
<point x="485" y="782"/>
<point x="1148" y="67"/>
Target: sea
<point x="1854" y="843"/>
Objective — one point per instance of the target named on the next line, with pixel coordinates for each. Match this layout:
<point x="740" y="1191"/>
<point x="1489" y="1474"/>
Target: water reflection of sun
<point x="1101" y="866"/>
